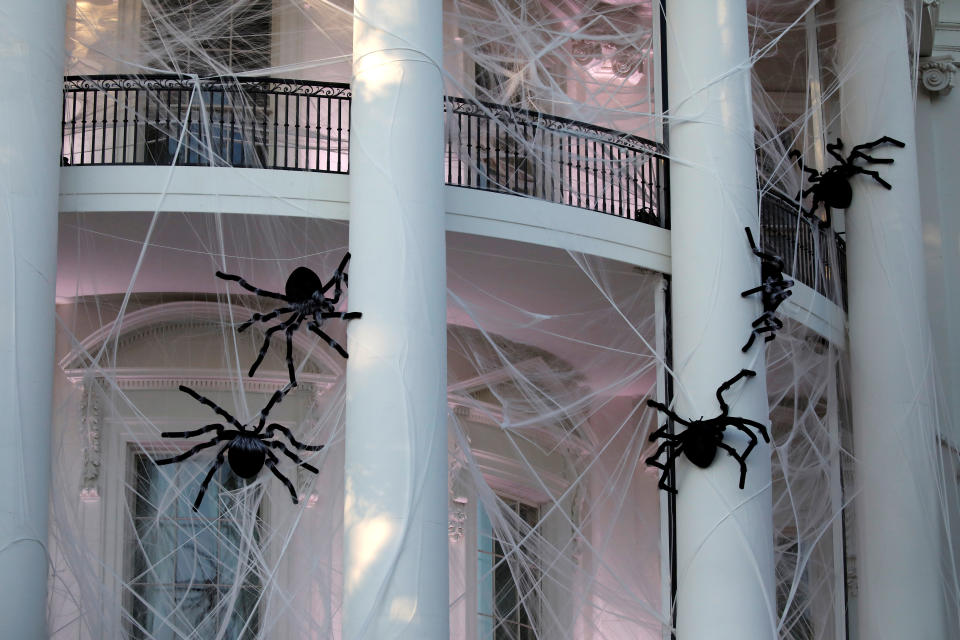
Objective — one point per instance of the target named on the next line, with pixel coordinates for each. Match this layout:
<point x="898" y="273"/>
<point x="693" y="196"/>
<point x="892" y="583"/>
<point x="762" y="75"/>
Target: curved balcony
<point x="300" y="125"/>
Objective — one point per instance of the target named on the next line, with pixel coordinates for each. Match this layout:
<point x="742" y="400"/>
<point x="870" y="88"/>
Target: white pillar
<point x="898" y="529"/>
<point x="395" y="520"/>
<point x="31" y="89"/>
<point x="724" y="534"/>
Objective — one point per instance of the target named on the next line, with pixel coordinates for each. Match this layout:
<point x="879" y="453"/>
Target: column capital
<point x="937" y="74"/>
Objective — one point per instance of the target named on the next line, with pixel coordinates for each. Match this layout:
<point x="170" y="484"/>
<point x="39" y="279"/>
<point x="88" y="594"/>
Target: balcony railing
<point x="806" y="249"/>
<point x="555" y="159"/>
<point x="305" y="126"/>
<point x="161" y="120"/>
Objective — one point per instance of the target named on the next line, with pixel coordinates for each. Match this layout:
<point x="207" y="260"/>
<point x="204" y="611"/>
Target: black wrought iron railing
<point x="305" y="126"/>
<point x="160" y="120"/>
<point x="527" y="153"/>
<point x="814" y="256"/>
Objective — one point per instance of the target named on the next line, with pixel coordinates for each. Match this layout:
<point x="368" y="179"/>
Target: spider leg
<point x="271" y="463"/>
<point x="249" y="287"/>
<point x="750" y="292"/>
<point x="746" y="347"/>
<point x="189" y="452"/>
<point x="736" y="456"/>
<point x="729" y="383"/>
<point x="753" y="245"/>
<point x="209" y="476"/>
<point x="667" y="465"/>
<point x="289" y="333"/>
<point x="343" y="315"/>
<point x="338" y="278"/>
<point x="877" y="143"/>
<point x="870" y="159"/>
<point x="195" y="432"/>
<point x="296" y="443"/>
<point x="876" y="176"/>
<point x="652" y="460"/>
<point x="313" y="326"/>
<point x="290" y="454"/>
<point x="213" y="405"/>
<point x="663" y="433"/>
<point x="834" y="148"/>
<point x="257" y="317"/>
<point x="266" y="344"/>
<point x="742" y="423"/>
<point x="274" y="399"/>
<point x="659" y="406"/>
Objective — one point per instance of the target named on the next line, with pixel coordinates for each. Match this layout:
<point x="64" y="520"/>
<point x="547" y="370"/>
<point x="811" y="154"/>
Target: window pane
<point x="184" y="563"/>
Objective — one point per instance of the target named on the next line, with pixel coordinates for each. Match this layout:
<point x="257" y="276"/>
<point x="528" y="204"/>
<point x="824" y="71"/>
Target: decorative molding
<point x="457" y="518"/>
<point x="90" y="422"/>
<point x="937" y="74"/>
<point x="158" y="320"/>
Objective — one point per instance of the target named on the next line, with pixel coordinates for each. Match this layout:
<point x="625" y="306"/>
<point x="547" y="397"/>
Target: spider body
<point x="831" y="188"/>
<point x="702" y="438"/>
<point x="305" y="300"/>
<point x="246" y="455"/>
<point x="247" y="450"/>
<point x="773" y="290"/>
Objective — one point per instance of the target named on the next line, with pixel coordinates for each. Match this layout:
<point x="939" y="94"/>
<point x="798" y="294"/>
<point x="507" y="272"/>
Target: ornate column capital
<point x="937" y="74"/>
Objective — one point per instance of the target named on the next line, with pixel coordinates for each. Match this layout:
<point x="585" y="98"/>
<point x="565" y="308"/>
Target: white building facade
<point x="544" y="206"/>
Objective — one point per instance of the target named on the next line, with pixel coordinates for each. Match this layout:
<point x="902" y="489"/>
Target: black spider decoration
<point x="773" y="290"/>
<point x="247" y="450"/>
<point x="700" y="440"/>
<point x="305" y="299"/>
<point x="832" y="187"/>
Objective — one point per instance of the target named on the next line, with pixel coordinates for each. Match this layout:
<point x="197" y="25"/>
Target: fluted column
<point x="395" y="520"/>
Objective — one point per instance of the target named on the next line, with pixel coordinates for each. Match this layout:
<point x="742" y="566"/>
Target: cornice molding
<point x="163" y="319"/>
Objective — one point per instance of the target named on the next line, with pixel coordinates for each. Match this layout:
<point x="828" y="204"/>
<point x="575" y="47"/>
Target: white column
<point x="724" y="534"/>
<point x="395" y="520"/>
<point x="898" y="529"/>
<point x="31" y="88"/>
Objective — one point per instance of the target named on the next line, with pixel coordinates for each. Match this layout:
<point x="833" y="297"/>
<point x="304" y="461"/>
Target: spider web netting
<point x="557" y="527"/>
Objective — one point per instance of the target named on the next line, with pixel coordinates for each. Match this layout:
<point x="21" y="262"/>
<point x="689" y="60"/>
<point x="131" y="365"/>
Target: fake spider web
<point x="557" y="529"/>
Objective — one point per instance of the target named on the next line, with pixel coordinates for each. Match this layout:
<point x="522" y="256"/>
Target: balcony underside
<point x="145" y="189"/>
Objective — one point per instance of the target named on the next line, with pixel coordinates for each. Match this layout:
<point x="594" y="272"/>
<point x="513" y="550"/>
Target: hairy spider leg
<point x="213" y="405"/>
<point x="296" y="443"/>
<point x="342" y="315"/>
<point x="189" y="452"/>
<point x="834" y="150"/>
<point x="724" y="409"/>
<point x="670" y="414"/>
<point x="271" y="463"/>
<point x="274" y="399"/>
<point x="266" y="341"/>
<point x="289" y="334"/>
<point x="870" y="159"/>
<point x="257" y="317"/>
<point x="249" y="287"/>
<point x="195" y="432"/>
<point x="290" y="454"/>
<point x="672" y="456"/>
<point x="313" y="326"/>
<point x="740" y="459"/>
<point x="876" y="143"/>
<point x="206" y="480"/>
<point x="770" y="320"/>
<point x="338" y="278"/>
<point x="876" y="176"/>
